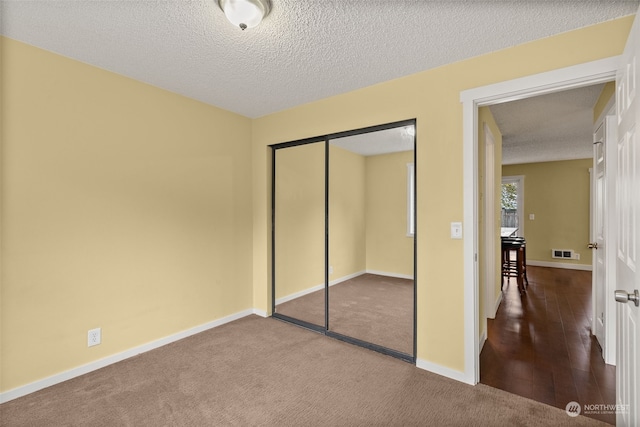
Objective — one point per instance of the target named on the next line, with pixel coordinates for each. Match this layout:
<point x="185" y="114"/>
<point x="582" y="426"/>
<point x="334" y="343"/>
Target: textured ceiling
<point x="303" y="50"/>
<point x="308" y="50"/>
<point x="557" y="126"/>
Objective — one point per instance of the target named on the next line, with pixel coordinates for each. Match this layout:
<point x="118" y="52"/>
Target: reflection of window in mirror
<point x="411" y="201"/>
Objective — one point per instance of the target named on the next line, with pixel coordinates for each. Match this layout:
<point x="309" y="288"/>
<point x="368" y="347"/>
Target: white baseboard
<point x="387" y="274"/>
<point x="299" y="294"/>
<point x="481" y="341"/>
<point x="345" y="278"/>
<point x="583" y="267"/>
<point x="497" y="305"/>
<point x="317" y="287"/>
<point x="261" y="313"/>
<point x="339" y="280"/>
<point x="443" y="370"/>
<point x="109" y="360"/>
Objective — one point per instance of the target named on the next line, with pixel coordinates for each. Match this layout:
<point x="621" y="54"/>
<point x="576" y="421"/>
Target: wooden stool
<point x="514" y="267"/>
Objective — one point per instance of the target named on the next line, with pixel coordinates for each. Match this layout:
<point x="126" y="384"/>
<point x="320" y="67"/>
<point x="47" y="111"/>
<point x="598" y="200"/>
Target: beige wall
<point x="389" y="249"/>
<point x="608" y="91"/>
<point x="124" y="207"/>
<point x="145" y="213"/>
<point x="300" y="218"/>
<point x="367" y="216"/>
<point x="347" y="235"/>
<point x="433" y="98"/>
<point x="557" y="193"/>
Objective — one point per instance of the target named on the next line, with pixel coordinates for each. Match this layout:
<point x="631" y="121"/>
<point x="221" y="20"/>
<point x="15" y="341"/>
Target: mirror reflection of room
<point x="371" y="242"/>
<point x="300" y="232"/>
<point x="344" y="236"/>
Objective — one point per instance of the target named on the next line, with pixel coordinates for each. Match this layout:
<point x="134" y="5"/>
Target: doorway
<point x="554" y="81"/>
<point x="525" y="343"/>
<point x="343" y="236"/>
<point x="541" y="344"/>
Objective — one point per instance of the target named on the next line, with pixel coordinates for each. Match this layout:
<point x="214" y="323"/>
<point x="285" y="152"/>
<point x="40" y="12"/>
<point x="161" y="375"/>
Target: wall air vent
<point x="563" y="253"/>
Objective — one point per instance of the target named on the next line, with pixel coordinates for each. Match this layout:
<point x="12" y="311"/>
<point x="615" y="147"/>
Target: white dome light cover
<point x="245" y="13"/>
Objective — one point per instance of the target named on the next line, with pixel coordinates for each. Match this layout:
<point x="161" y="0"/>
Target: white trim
<point x="340" y="280"/>
<point x="442" y="370"/>
<point x="553" y="81"/>
<point x="261" y="313"/>
<point x="387" y="274"/>
<point x="471" y="303"/>
<point x="345" y="278"/>
<point x="496" y="304"/>
<point x="593" y="208"/>
<point x="611" y="235"/>
<point x="299" y="294"/>
<point x="114" y="358"/>
<point x="590" y="73"/>
<point x="483" y="339"/>
<point x="592" y="200"/>
<point x="318" y="287"/>
<point x="489" y="228"/>
<point x="567" y="266"/>
<point x="411" y="202"/>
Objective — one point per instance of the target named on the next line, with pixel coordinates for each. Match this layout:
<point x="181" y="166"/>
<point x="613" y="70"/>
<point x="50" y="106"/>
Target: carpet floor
<point x="373" y="308"/>
<point x="264" y="372"/>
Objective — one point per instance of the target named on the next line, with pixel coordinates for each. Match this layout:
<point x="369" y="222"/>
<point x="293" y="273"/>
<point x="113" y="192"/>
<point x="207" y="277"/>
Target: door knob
<point x="623" y="297"/>
<point x="592" y="245"/>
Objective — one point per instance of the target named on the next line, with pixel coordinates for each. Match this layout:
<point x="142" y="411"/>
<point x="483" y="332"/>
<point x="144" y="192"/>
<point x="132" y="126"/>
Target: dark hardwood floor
<point x="540" y="345"/>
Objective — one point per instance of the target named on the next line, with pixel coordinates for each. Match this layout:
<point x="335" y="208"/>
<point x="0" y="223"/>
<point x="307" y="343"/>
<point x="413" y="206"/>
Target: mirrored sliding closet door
<point x="344" y="236"/>
<point x="299" y="232"/>
<point x="371" y="240"/>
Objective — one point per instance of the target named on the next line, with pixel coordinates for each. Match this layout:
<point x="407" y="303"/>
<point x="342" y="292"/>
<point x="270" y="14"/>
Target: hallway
<point x="540" y="346"/>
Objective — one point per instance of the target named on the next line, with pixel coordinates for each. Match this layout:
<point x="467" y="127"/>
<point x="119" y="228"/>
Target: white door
<point x="604" y="237"/>
<point x="490" y="278"/>
<point x="628" y="236"/>
<point x="597" y="243"/>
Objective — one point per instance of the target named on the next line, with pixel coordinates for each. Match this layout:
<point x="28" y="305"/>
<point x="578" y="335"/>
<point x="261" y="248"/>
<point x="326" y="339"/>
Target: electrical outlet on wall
<point x="94" y="337"/>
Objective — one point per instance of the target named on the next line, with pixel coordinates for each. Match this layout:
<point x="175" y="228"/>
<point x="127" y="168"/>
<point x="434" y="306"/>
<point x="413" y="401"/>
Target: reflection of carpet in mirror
<point x="373" y="308"/>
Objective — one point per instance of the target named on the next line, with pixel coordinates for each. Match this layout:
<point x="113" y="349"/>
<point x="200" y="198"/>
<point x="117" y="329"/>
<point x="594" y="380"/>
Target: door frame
<point x="580" y="75"/>
<point x="490" y="304"/>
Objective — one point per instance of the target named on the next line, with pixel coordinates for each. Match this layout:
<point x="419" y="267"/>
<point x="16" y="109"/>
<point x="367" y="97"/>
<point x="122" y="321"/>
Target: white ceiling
<point x="303" y="50"/>
<point x="380" y="142"/>
<point x="557" y="126"/>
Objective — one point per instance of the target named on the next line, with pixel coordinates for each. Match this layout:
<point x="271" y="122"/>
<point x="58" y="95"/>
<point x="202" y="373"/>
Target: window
<point x="411" y="200"/>
<point x="512" y="204"/>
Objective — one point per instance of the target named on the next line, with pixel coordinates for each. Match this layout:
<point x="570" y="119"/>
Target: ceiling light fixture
<point x="245" y="13"/>
<point x="410" y="131"/>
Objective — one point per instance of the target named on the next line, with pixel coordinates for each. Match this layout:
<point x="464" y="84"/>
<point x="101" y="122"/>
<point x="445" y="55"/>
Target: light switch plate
<point x="456" y="230"/>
